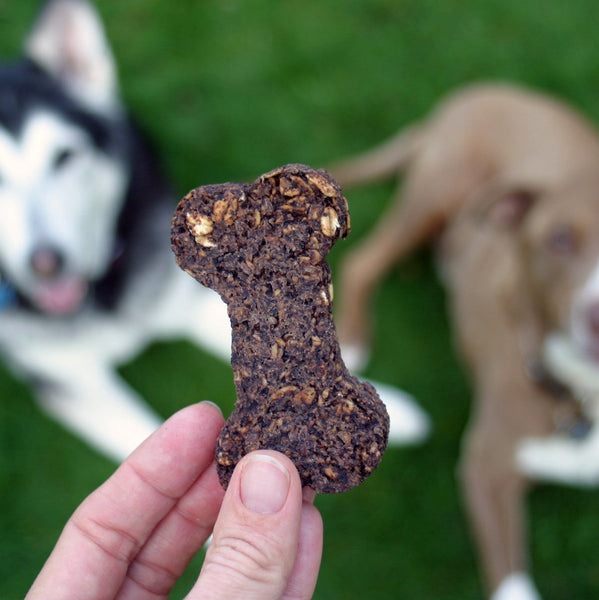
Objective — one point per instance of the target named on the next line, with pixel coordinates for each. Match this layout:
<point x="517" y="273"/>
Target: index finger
<point x="109" y="528"/>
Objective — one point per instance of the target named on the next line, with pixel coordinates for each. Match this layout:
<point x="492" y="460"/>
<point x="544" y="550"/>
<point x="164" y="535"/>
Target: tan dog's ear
<point x="506" y="206"/>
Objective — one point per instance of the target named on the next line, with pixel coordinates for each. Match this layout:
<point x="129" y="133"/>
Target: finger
<point x="105" y="533"/>
<point x="256" y="534"/>
<point x="175" y="541"/>
<point x="304" y="576"/>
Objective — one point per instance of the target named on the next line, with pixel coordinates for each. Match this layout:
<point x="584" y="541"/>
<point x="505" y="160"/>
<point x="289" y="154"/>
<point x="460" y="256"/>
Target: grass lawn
<point x="229" y="89"/>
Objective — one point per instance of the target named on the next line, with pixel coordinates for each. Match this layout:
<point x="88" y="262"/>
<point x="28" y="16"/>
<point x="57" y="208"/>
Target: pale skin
<point x="133" y="537"/>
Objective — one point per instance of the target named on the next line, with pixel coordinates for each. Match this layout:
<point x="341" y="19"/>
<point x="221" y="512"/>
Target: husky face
<point x="60" y="196"/>
<point x="63" y="161"/>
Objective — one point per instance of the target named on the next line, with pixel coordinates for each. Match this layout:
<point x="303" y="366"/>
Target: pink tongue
<point x="62" y="296"/>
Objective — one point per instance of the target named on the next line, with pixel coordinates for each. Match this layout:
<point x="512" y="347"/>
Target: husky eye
<point x="62" y="157"/>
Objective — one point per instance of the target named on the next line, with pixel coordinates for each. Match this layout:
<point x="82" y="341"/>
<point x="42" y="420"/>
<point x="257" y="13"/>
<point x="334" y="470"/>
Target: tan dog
<point x="507" y="181"/>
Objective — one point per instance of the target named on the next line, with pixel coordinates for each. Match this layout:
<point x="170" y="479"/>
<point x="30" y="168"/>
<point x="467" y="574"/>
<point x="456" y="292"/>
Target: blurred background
<point x="228" y="89"/>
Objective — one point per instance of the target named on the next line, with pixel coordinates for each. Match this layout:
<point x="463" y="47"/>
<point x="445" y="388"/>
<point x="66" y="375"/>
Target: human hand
<point x="134" y="536"/>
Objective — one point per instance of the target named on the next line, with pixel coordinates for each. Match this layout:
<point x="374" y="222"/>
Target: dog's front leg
<point x="493" y="493"/>
<point x="362" y="270"/>
<point x="99" y="407"/>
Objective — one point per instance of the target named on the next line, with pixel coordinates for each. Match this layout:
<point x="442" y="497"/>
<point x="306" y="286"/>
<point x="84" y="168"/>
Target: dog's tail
<point x="380" y="162"/>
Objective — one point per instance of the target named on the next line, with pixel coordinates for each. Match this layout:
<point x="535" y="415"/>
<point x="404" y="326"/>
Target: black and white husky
<point x="87" y="276"/>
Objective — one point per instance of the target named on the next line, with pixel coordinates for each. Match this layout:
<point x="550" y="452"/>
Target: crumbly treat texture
<point x="262" y="247"/>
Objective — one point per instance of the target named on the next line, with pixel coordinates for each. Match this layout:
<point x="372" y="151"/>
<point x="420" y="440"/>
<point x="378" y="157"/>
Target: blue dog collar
<point x="8" y="294"/>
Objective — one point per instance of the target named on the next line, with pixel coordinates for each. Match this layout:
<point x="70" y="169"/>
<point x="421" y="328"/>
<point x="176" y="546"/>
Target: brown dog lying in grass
<point x="507" y="182"/>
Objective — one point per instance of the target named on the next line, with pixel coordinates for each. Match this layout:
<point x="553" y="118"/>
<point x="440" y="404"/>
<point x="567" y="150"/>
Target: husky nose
<point x="46" y="261"/>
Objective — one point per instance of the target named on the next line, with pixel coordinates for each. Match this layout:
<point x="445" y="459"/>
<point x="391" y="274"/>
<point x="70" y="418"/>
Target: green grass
<point x="229" y="89"/>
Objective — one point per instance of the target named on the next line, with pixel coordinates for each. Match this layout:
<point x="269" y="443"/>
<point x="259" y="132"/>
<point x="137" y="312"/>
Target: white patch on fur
<point x="355" y="357"/>
<point x="71" y="206"/>
<point x="558" y="458"/>
<point x="561" y="460"/>
<point x="409" y="424"/>
<point x="99" y="407"/>
<point x="568" y="363"/>
<point x="516" y="586"/>
<point x="190" y="310"/>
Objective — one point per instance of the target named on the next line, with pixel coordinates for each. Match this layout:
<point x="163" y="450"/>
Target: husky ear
<point x="507" y="206"/>
<point x="69" y="42"/>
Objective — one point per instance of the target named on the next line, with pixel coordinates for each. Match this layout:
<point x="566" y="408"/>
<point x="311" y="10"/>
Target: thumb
<point x="256" y="535"/>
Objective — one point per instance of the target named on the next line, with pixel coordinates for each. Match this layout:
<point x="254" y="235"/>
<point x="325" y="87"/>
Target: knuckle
<point x="153" y="578"/>
<point x="108" y="538"/>
<point x="255" y="558"/>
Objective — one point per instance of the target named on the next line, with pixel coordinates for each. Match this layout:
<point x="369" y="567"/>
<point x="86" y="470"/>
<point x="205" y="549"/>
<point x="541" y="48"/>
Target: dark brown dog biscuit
<point x="262" y="247"/>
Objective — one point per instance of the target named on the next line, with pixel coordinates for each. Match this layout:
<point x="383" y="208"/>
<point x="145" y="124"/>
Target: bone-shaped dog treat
<point x="262" y="247"/>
